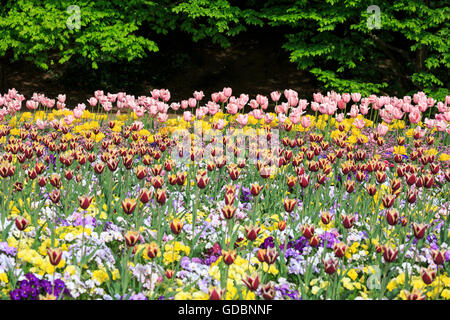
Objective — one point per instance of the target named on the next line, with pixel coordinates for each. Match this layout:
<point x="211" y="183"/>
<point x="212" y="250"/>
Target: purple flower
<point x="268" y="242"/>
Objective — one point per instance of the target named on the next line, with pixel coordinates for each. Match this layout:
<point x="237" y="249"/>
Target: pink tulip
<point x="354" y="111"/>
<point x="382" y="129"/>
<point x="447" y="116"/>
<point x="340" y="117"/>
<point x="98" y="94"/>
<point x="199" y="113"/>
<point x="242" y="119"/>
<point x="139" y="111"/>
<point x="175" y="106"/>
<point x="295" y="117"/>
<point x="441" y="125"/>
<point x="305" y="122"/>
<point x="222" y="97"/>
<point x="268" y="118"/>
<point x="192" y="102"/>
<point x="275" y="95"/>
<point x="51" y="103"/>
<point x="293" y="101"/>
<point x="213" y="108"/>
<point x="243" y="99"/>
<point x="77" y="113"/>
<point x="282" y="108"/>
<point x="315" y="106"/>
<point x="92" y="101"/>
<point x="317" y="97"/>
<point x="220" y="124"/>
<point x="184" y="104"/>
<point x="121" y="96"/>
<point x="414" y="116"/>
<point x="261" y="99"/>
<point x="198" y="95"/>
<point x="41" y="124"/>
<point x="254" y="104"/>
<point x="356" y="97"/>
<point x="397" y="113"/>
<point x="303" y="104"/>
<point x="289" y="93"/>
<point x="68" y="119"/>
<point x="359" y="123"/>
<point x="164" y="94"/>
<point x="330" y="108"/>
<point x="162" y="117"/>
<point x="447" y="100"/>
<point x="215" y="97"/>
<point x="346" y="97"/>
<point x="364" y="109"/>
<point x="32" y="105"/>
<point x="187" y="116"/>
<point x="112" y="97"/>
<point x="155" y="94"/>
<point x="107" y="106"/>
<point x="62" y="98"/>
<point x="227" y="92"/>
<point x="232" y="108"/>
<point x="258" y="114"/>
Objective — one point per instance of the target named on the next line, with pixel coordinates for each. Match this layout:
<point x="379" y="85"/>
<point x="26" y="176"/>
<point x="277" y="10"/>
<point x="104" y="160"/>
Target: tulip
<point x="268" y="291"/>
<point x="339" y="249"/>
<point x="314" y="241"/>
<point x="131" y="238"/>
<point x="289" y="204"/>
<point x="281" y="225"/>
<point x="428" y="275"/>
<point x="255" y="189"/>
<point x="388" y="200"/>
<point x="85" y="201"/>
<point x="228" y="256"/>
<point x="419" y="229"/>
<point x="392" y="217"/>
<point x="331" y="265"/>
<point x="252" y="282"/>
<point x="348" y="221"/>
<point x="326" y="217"/>
<point x="161" y="196"/>
<point x="216" y="294"/>
<point x="349" y="186"/>
<point x="416" y="294"/>
<point x="371" y="189"/>
<point x="270" y="255"/>
<point x="145" y="195"/>
<point x="54" y="256"/>
<point x="55" y="196"/>
<point x="128" y="205"/>
<point x="390" y="254"/>
<point x="308" y="231"/>
<point x="261" y="254"/>
<point x="176" y="226"/>
<point x="21" y="223"/>
<point x="438" y="256"/>
<point x="152" y="250"/>
<point x="157" y="182"/>
<point x="228" y="211"/>
<point x="251" y="232"/>
<point x="202" y="181"/>
<point x="169" y="273"/>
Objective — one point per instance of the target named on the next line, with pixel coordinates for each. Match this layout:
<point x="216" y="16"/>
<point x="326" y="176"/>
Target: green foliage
<point x="331" y="39"/>
<point x="39" y="31"/>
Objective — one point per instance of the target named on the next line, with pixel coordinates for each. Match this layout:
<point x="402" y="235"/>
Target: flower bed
<point x="342" y="197"/>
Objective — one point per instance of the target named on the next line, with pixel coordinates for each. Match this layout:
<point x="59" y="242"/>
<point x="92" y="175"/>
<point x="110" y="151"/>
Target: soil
<point x="253" y="64"/>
